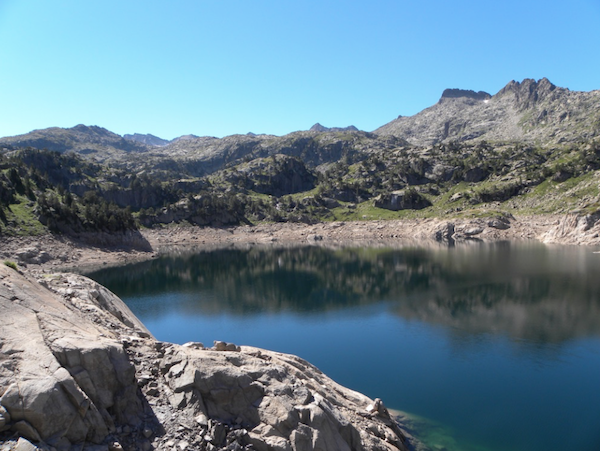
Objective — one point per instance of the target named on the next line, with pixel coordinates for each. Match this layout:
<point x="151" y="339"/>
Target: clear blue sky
<point x="219" y="67"/>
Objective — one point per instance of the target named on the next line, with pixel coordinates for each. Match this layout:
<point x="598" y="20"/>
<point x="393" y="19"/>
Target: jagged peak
<point x="528" y="86"/>
<point x="318" y="128"/>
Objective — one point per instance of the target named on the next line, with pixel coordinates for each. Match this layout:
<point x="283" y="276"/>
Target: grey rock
<point x="4" y="418"/>
<point x="320" y="128"/>
<point x="24" y="429"/>
<point x="472" y="231"/>
<point x="499" y="223"/>
<point x="194" y="345"/>
<point x="25" y="445"/>
<point x="147" y="139"/>
<point x="444" y="233"/>
<point x="220" y="345"/>
<point x="33" y="255"/>
<point x="401" y="200"/>
<point x="575" y="229"/>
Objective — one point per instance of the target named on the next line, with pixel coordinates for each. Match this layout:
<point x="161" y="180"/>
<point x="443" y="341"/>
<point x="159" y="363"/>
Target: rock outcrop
<point x="79" y="371"/>
<point x="468" y="93"/>
<point x="401" y="200"/>
<point x="575" y="229"/>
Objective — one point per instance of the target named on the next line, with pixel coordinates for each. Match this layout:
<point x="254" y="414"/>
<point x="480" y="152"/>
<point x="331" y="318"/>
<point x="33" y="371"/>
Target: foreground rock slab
<point x="79" y="371"/>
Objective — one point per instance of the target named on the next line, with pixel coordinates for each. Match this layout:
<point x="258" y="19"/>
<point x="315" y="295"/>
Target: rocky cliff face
<point x="458" y="93"/>
<point x="79" y="371"/>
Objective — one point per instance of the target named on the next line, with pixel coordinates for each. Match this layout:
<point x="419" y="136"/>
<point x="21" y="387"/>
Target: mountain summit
<point x="320" y="128"/>
<point x="529" y="111"/>
<point x="82" y="139"/>
<point x="457" y="93"/>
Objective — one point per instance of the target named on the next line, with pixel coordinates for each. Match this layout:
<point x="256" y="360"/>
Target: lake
<point x="483" y="346"/>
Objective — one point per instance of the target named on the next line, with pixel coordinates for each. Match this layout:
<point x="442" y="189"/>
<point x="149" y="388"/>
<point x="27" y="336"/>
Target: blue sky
<point x="220" y="67"/>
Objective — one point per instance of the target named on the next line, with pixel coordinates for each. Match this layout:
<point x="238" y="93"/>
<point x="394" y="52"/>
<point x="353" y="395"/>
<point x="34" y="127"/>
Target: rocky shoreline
<point x="52" y="253"/>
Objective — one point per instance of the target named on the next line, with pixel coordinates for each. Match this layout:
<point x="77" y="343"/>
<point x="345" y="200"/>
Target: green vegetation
<point x="43" y="191"/>
<point x="11" y="264"/>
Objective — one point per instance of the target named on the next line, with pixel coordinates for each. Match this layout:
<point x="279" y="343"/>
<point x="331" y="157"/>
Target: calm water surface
<point x="486" y="347"/>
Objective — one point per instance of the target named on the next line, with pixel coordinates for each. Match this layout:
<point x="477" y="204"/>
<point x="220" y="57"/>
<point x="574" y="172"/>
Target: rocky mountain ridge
<point x="529" y="111"/>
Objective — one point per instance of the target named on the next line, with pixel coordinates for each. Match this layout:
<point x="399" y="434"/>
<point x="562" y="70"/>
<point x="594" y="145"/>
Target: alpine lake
<point x="477" y="346"/>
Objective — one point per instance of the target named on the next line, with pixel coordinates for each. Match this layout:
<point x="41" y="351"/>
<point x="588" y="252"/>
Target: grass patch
<point x="577" y="193"/>
<point x="365" y="211"/>
<point x="21" y="219"/>
<point x="11" y="265"/>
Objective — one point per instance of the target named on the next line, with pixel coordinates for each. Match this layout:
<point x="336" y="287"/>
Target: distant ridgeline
<point x="532" y="147"/>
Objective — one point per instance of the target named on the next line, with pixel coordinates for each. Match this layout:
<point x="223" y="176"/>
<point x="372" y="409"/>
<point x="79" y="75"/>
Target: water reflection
<point x="529" y="292"/>
<point x="496" y="343"/>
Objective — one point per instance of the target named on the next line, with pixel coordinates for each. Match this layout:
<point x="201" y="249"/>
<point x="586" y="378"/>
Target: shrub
<point x="12" y="265"/>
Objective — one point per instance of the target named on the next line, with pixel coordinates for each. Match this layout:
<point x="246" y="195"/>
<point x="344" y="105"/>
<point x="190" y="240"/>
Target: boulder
<point x="407" y="199"/>
<point x="444" y="232"/>
<point x="33" y="255"/>
<point x="499" y="223"/>
<point x="575" y="229"/>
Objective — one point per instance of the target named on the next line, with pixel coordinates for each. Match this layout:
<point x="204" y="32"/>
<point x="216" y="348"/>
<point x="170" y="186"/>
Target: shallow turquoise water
<point x="488" y="347"/>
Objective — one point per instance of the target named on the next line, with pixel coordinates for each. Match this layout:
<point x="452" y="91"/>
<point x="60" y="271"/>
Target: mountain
<point x="320" y="128"/>
<point x="147" y="139"/>
<point x="96" y="142"/>
<point x="532" y="147"/>
<point x="529" y="111"/>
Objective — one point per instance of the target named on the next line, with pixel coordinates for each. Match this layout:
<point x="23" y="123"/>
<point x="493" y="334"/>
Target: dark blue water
<point x="486" y="347"/>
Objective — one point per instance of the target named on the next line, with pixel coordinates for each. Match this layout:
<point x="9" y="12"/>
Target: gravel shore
<point x="52" y="253"/>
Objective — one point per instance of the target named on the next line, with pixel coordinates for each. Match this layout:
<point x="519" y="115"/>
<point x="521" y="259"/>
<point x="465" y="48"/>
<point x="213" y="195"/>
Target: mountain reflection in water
<point x="530" y="292"/>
